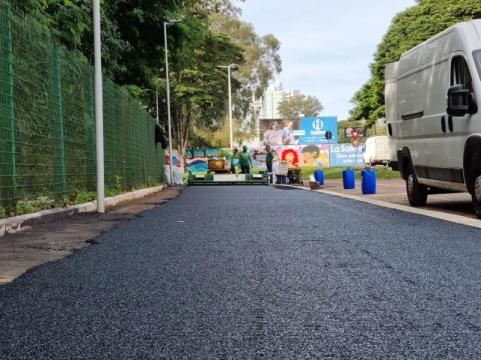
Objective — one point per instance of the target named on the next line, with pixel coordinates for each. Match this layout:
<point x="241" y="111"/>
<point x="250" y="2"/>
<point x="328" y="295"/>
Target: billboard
<point x="295" y="155"/>
<point x="346" y="155"/>
<point x="303" y="131"/>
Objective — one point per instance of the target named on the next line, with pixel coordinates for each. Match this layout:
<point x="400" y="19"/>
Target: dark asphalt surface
<point x="255" y="273"/>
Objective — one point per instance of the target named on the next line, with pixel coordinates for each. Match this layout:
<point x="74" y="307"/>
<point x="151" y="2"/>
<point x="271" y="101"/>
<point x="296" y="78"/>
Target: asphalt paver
<point x="255" y="273"/>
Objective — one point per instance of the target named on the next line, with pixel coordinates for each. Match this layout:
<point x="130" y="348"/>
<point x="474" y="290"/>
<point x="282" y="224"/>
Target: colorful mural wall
<point x="295" y="155"/>
<point x="322" y="155"/>
<point x="197" y="159"/>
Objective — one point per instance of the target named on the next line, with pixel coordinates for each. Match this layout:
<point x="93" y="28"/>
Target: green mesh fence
<point x="47" y="123"/>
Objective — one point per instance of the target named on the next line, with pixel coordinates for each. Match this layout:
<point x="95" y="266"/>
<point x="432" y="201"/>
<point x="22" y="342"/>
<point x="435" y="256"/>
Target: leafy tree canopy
<point x="408" y="29"/>
<point x="291" y="107"/>
<point x="209" y="35"/>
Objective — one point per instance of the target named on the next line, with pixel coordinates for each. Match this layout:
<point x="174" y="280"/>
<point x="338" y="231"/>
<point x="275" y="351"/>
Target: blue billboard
<point x="346" y="155"/>
<point x="303" y="131"/>
<point x="312" y="130"/>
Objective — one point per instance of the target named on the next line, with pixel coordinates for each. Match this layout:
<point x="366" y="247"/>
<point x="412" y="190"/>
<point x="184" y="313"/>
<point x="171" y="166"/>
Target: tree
<point x="262" y="63"/>
<point x="198" y="84"/>
<point x="291" y="107"/>
<point x="408" y="29"/>
<point x="133" y="54"/>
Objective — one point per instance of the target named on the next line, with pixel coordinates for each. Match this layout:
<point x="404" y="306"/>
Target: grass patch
<point x="330" y="173"/>
<point x="336" y="173"/>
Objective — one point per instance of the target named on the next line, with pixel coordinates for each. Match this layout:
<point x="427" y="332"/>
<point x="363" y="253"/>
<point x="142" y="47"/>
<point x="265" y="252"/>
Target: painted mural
<point x="322" y="155"/>
<point x="197" y="159"/>
<point x="295" y="155"/>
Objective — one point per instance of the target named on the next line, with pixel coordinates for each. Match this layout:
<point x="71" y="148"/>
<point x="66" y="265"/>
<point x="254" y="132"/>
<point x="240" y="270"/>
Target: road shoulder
<point x="458" y="219"/>
<point x="53" y="240"/>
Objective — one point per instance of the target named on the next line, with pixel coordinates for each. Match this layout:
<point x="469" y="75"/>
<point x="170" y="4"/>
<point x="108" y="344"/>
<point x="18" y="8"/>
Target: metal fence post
<point x="60" y="183"/>
<point x="8" y="183"/>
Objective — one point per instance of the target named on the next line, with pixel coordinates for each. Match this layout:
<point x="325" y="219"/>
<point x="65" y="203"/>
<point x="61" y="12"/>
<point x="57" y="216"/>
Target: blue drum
<point x="368" y="182"/>
<point x="319" y="176"/>
<point x="348" y="179"/>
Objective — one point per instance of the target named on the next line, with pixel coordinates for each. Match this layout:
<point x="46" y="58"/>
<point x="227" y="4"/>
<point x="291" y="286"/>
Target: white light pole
<point x="231" y="134"/>
<point x="99" y="113"/>
<point x="166" y="50"/>
<point x="156" y="104"/>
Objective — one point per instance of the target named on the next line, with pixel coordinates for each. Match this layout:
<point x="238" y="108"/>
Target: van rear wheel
<point x="417" y="193"/>
<point x="476" y="196"/>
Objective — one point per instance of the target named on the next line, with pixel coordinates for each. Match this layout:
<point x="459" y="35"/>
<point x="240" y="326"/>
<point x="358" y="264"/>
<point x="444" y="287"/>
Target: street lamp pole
<point x="229" y="81"/>
<point x="99" y="115"/>
<point x="169" y="118"/>
<point x="157" y="108"/>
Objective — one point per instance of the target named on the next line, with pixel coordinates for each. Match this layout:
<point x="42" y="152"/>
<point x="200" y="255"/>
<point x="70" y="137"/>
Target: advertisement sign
<point x="303" y="131"/>
<point x="313" y="130"/>
<point x="346" y="155"/>
<point x="278" y="132"/>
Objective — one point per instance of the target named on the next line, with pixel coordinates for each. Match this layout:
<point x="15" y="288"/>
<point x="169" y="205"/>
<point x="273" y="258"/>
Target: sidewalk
<point x="394" y="191"/>
<point x="50" y="241"/>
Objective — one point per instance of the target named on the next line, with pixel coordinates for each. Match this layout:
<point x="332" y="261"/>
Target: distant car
<point x="377" y="151"/>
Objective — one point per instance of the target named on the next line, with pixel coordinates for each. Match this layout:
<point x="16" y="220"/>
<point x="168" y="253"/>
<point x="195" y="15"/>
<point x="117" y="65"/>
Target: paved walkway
<point x="394" y="191"/>
<point x="255" y="273"/>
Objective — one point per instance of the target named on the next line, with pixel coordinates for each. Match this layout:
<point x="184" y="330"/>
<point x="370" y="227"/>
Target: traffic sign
<point x="355" y="134"/>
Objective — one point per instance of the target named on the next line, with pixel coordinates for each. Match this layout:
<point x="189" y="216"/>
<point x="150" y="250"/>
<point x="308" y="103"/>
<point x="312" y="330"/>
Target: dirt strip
<point x="50" y="241"/>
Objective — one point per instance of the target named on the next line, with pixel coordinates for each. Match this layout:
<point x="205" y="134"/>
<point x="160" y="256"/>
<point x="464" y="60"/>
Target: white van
<point x="434" y="125"/>
<point x="377" y="151"/>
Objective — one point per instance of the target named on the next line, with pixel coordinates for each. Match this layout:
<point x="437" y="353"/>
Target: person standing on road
<point x="245" y="161"/>
<point x="233" y="157"/>
<point x="269" y="159"/>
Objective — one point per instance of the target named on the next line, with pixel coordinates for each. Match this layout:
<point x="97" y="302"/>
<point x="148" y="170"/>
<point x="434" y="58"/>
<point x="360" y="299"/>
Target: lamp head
<point x="172" y="22"/>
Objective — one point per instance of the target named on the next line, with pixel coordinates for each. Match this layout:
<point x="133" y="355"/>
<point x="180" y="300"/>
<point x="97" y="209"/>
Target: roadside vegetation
<point x="408" y="29"/>
<point x="24" y="207"/>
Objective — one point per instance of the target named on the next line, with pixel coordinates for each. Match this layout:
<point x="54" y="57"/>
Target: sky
<point x="326" y="45"/>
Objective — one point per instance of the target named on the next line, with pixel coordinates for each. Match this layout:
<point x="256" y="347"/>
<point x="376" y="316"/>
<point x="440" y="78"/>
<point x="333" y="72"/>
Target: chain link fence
<point x="47" y="122"/>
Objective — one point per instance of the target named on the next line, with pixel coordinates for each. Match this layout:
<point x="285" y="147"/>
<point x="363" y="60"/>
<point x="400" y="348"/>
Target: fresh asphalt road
<point x="255" y="273"/>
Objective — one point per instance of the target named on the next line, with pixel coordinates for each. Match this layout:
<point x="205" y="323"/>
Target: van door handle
<point x="450" y="123"/>
<point x="443" y="124"/>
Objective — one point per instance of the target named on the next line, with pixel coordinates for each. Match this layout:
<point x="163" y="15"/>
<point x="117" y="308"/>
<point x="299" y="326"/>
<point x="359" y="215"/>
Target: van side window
<point x="460" y="73"/>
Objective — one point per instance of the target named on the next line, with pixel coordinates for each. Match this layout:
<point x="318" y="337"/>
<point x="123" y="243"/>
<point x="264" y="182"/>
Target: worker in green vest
<point x="233" y="157"/>
<point x="245" y="161"/>
<point x="269" y="159"/>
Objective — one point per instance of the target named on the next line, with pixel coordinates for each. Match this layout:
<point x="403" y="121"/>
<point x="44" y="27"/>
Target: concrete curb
<point x="22" y="222"/>
<point x="457" y="219"/>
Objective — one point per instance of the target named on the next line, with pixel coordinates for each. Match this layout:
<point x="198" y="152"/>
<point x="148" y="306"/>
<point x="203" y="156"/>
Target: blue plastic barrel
<point x="368" y="182"/>
<point x="348" y="179"/>
<point x="319" y="176"/>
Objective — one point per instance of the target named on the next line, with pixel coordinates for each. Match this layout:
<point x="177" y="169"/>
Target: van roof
<point x="464" y="36"/>
<point x="472" y="27"/>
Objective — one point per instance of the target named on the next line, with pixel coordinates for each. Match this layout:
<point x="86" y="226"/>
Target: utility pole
<point x="229" y="82"/>
<point x="99" y="111"/>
